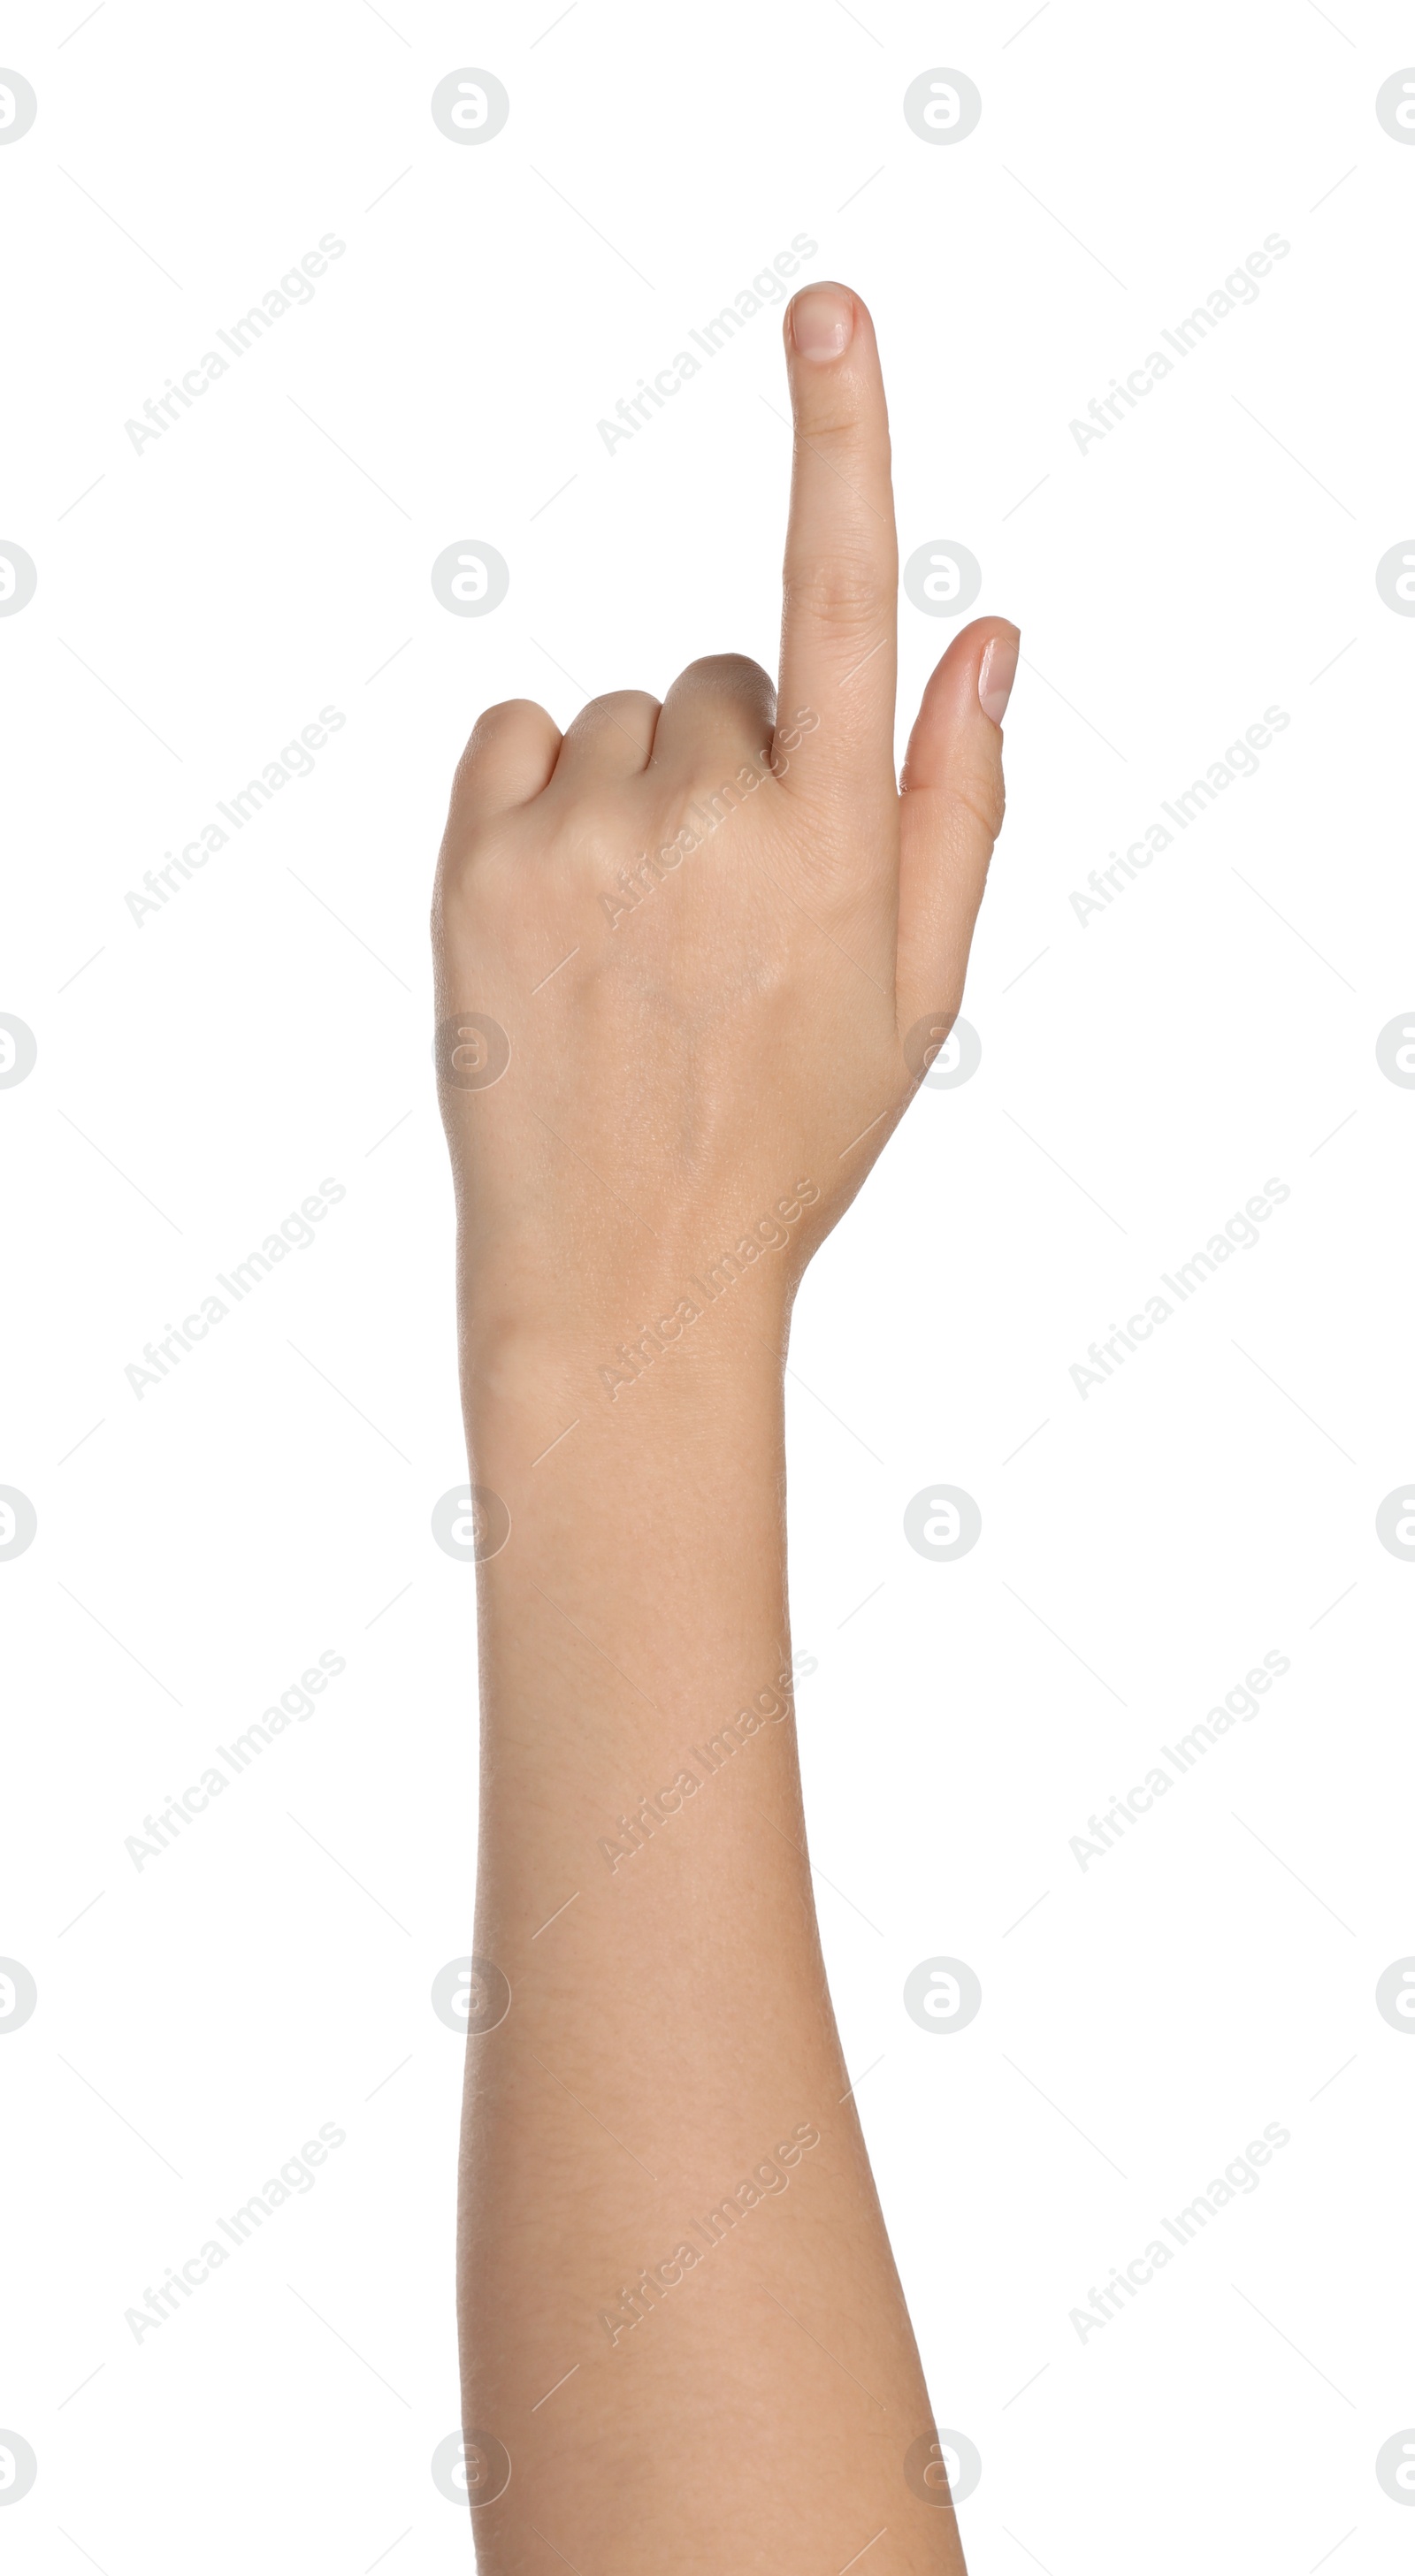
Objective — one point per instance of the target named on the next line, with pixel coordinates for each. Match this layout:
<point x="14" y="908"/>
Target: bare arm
<point x="668" y="2218"/>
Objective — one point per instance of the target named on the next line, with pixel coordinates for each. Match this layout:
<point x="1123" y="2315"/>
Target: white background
<point x="1141" y="1077"/>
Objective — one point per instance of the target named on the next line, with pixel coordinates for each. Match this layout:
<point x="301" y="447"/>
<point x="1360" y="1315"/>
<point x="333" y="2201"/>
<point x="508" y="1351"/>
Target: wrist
<point x="640" y="1539"/>
<point x="634" y="1357"/>
<point x="560" y="1404"/>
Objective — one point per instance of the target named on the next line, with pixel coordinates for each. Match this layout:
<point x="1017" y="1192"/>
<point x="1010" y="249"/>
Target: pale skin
<point x="712" y="1070"/>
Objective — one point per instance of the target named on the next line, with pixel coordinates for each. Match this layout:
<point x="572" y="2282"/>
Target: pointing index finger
<point x="841" y="570"/>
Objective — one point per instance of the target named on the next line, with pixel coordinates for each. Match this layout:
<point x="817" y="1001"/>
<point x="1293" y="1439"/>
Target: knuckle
<point x="978" y="791"/>
<point x="842" y="428"/>
<point x="617" y="704"/>
<point x="502" y="723"/>
<point x="723" y="670"/>
<point x="836" y="591"/>
<point x="515" y="730"/>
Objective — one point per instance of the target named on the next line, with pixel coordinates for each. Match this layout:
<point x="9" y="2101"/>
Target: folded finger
<point x="721" y="708"/>
<point x="611" y="737"/>
<point x="508" y="760"/>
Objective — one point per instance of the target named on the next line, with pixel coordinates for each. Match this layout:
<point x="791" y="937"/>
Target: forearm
<point x="729" y="2313"/>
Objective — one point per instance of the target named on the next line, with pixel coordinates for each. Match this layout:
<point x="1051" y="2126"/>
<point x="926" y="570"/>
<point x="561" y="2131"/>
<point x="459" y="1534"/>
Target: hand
<point x="693" y="959"/>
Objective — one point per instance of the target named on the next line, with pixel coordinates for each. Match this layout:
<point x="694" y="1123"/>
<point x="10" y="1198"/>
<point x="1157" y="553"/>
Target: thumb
<point x="951" y="803"/>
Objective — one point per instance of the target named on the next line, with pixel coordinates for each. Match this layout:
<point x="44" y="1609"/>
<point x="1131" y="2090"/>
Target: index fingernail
<point x="822" y="322"/>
